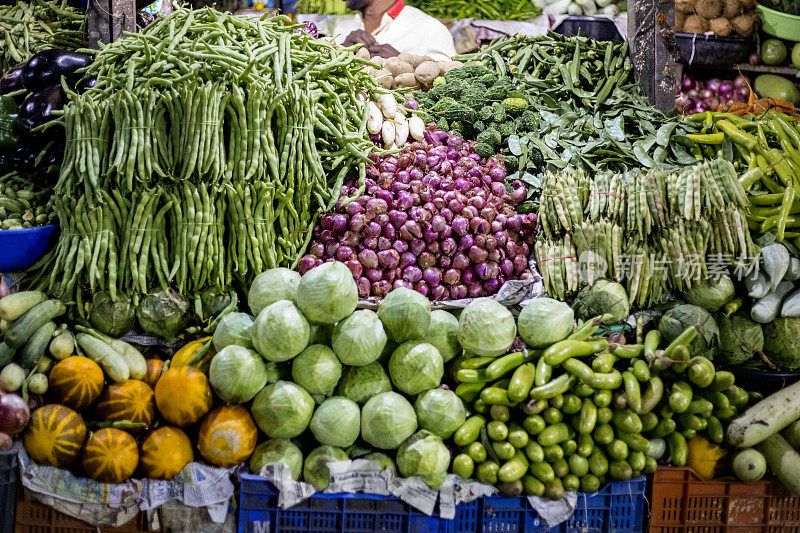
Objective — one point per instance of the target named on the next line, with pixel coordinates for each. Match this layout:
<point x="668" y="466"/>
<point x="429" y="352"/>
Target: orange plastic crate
<point x="681" y="502"/>
<point x="34" y="517"/>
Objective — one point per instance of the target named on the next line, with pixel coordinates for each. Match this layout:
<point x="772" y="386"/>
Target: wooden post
<point x="655" y="68"/>
<point x="108" y="19"/>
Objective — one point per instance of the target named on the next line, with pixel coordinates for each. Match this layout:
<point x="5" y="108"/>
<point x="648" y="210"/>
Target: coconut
<point x="745" y="25"/>
<point x="709" y="9"/>
<point x="731" y="8"/>
<point x="695" y="24"/>
<point x="680" y="19"/>
<point x="720" y="26"/>
<point x="749" y="5"/>
<point x="684" y="6"/>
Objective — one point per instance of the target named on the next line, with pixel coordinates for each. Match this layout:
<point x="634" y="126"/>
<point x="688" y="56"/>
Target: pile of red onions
<point x="436" y="218"/>
<point x="697" y="96"/>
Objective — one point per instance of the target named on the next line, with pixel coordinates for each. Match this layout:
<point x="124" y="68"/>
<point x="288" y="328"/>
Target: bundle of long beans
<point x="214" y="140"/>
<point x="32" y="26"/>
<point x="639" y="223"/>
<point x="478" y="9"/>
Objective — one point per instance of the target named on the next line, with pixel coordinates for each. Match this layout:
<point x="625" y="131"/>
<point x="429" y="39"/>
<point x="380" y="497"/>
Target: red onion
<point x="306" y="263"/>
<point x="398" y="283"/>
<point x="741" y="82"/>
<point x="432" y="276"/>
<point x="426" y="260"/>
<point x="491" y="286"/>
<point x="412" y="273"/>
<point x="381" y="288"/>
<point x="317" y="250"/>
<point x="344" y="253"/>
<point x="434" y="247"/>
<point x="355" y="267"/>
<point x="368" y="258"/>
<point x="475" y="290"/>
<point x="417" y="246"/>
<point x="374" y="274"/>
<point x="458" y="292"/>
<point x="422" y="288"/>
<point x="444" y="262"/>
<point x="372" y="229"/>
<point x="389" y="258"/>
<point x="688" y="82"/>
<point x="14" y="414"/>
<point x="390" y="275"/>
<point x="364" y="286"/>
<point x="468" y="276"/>
<point x="712" y="85"/>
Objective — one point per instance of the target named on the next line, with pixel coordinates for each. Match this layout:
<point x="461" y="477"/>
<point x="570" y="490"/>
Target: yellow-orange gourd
<point x="164" y="453"/>
<point x="187" y="353"/>
<point x="154" y="369"/>
<point x="183" y="395"/>
<point x="54" y="436"/>
<point x="228" y="436"/>
<point x="110" y="456"/>
<point x="130" y="400"/>
<point x="76" y="382"/>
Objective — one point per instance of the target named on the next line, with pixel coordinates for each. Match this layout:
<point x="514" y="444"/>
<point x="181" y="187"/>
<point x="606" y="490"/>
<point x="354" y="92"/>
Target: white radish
<point x="416" y="128"/>
<point x="765" y="418"/>
<point x="387" y="104"/>
<point x="375" y="118"/>
<point x="388" y="133"/>
<point x="401" y="129"/>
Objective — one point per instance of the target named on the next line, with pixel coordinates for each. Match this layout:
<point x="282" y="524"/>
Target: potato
<point x="447" y="66"/>
<point x="695" y="24"/>
<point x="397" y="67"/>
<point x="427" y="72"/>
<point x="414" y="60"/>
<point x="378" y="60"/>
<point x="407" y="79"/>
<point x="745" y="24"/>
<point x="408" y="58"/>
<point x="684" y="6"/>
<point x="369" y="70"/>
<point x="385" y="78"/>
<point x="720" y="26"/>
<point x="709" y="9"/>
<point x="362" y="53"/>
<point x="731" y="9"/>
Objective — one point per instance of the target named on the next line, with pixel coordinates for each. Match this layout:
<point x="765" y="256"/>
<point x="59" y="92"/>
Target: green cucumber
<point x="24" y="328"/>
<point x="34" y="349"/>
<point x="104" y="355"/>
<point x="17" y="304"/>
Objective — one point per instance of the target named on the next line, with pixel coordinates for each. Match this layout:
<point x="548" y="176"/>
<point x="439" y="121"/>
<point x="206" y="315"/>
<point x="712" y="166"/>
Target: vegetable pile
<point x="478" y="9"/>
<point x="511" y="98"/>
<point x="697" y="96"/>
<point x="720" y="17"/>
<point x="406" y="70"/>
<point x="655" y="222"/>
<point x="32" y="26"/>
<point x="437" y="218"/>
<point x="192" y="169"/>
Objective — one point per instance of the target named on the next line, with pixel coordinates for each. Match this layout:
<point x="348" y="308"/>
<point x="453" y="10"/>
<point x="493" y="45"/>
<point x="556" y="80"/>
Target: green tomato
<point x="773" y="52"/>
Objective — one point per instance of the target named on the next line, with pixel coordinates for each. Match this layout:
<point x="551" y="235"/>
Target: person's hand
<point x="360" y="37"/>
<point x="383" y="50"/>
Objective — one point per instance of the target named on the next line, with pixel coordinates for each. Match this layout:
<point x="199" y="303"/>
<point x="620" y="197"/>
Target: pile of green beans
<point x="585" y="411"/>
<point x="23" y="203"/>
<point x="653" y="218"/>
<point x="478" y="9"/>
<point x="203" y="153"/>
<point x="32" y="26"/>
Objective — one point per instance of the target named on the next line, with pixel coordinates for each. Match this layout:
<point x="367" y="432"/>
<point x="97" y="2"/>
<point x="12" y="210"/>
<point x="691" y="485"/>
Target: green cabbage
<point x="213" y="302"/>
<point x="443" y="334"/>
<point x="603" y="298"/>
<point x="782" y="342"/>
<point x="440" y="411"/>
<point x="317" y="369"/>
<point x="545" y="321"/>
<point x="359" y="339"/>
<point x="237" y="374"/>
<point x="679" y="318"/>
<point x="280" y="332"/>
<point x="406" y="315"/>
<point x="739" y="339"/>
<point x="387" y="420"/>
<point x="486" y="328"/>
<point x="327" y="293"/>
<point x="315" y="469"/>
<point x="424" y="455"/>
<point x="233" y="329"/>
<point x="277" y="451"/>
<point x="115" y="318"/>
<point x="360" y="383"/>
<point x="416" y="367"/>
<point x="337" y="422"/>
<point x="282" y="410"/>
<point x="384" y="460"/>
<point x="270" y="286"/>
<point x="163" y="314"/>
<point x="711" y="294"/>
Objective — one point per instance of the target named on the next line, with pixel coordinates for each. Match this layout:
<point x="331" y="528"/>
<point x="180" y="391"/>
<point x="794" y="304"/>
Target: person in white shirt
<point x="389" y="27"/>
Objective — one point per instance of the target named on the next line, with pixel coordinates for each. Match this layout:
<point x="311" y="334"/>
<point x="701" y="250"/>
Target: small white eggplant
<point x="387" y="104"/>
<point x="388" y="133"/>
<point x="375" y="119"/>
<point x="401" y="130"/>
<point x="416" y="128"/>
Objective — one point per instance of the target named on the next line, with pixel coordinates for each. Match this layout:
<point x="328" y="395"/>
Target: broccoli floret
<point x="499" y="90"/>
<point x="515" y="106"/>
<point x="528" y="121"/>
<point x="452" y="110"/>
<point x="512" y="162"/>
<point x="479" y="126"/>
<point x="485" y="113"/>
<point x="507" y="128"/>
<point x="498" y="113"/>
<point x="467" y="72"/>
<point x="489" y="136"/>
<point x="484" y="150"/>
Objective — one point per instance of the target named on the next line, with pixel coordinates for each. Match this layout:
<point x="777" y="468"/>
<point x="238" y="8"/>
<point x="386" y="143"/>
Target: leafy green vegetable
<point x="237" y="374"/>
<point x="317" y="369"/>
<point x="277" y="451"/>
<point x="337" y="422"/>
<point x="387" y="420"/>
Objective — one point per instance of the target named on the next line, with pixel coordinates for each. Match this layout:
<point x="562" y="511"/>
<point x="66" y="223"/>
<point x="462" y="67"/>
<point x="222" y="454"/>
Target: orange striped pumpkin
<point x="183" y="395"/>
<point x="129" y="400"/>
<point x="76" y="382"/>
<point x="110" y="456"/>
<point x="54" y="436"/>
<point x="164" y="453"/>
<point x="228" y="436"/>
<point x="154" y="369"/>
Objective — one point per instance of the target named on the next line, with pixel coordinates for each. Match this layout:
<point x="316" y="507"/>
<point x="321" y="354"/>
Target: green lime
<point x="773" y="52"/>
<point x="796" y="55"/>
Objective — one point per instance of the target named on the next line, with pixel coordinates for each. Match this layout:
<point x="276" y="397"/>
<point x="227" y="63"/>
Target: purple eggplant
<point x="46" y="68"/>
<point x="86" y="84"/>
<point x="11" y="80"/>
<point x="37" y="107"/>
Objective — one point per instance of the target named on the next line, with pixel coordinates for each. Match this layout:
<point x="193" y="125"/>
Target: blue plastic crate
<point x="8" y="485"/>
<point x="617" y="507"/>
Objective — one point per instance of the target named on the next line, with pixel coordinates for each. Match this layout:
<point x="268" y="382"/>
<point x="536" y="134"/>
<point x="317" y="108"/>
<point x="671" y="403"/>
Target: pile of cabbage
<point x="327" y="382"/>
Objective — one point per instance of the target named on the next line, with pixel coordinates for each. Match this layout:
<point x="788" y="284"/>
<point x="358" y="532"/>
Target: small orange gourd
<point x="188" y="354"/>
<point x="228" y="436"/>
<point x="183" y="395"/>
<point x="110" y="456"/>
<point x="164" y="453"/>
<point x="129" y="400"/>
<point x="54" y="436"/>
<point x="154" y="369"/>
<point x="76" y="382"/>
